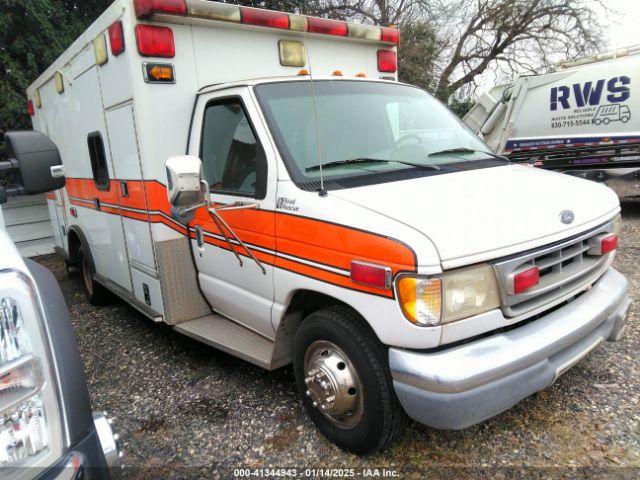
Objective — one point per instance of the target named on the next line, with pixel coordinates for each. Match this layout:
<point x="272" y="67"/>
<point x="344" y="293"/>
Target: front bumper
<point x="461" y="386"/>
<point x="95" y="457"/>
<point x="108" y="441"/>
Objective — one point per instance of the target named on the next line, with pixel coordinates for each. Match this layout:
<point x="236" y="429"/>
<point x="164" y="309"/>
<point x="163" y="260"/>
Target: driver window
<point x="230" y="151"/>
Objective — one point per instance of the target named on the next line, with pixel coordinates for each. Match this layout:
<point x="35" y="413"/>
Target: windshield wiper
<point x="352" y="161"/>
<point x="467" y="150"/>
<point x="339" y="163"/>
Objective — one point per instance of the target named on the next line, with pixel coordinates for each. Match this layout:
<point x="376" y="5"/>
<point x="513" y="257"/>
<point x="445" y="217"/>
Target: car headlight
<point x="457" y="294"/>
<point x="30" y="422"/>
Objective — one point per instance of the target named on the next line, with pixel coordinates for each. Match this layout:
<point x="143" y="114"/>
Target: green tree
<point x="33" y="33"/>
<point x="416" y="53"/>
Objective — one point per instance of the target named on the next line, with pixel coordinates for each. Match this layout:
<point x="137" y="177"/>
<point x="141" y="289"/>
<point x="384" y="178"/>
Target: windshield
<point x="360" y="122"/>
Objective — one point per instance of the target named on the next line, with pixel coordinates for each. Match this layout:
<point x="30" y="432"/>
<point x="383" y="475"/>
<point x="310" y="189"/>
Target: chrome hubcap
<point x="333" y="384"/>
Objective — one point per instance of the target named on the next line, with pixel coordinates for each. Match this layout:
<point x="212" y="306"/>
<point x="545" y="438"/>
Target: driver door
<point x="239" y="165"/>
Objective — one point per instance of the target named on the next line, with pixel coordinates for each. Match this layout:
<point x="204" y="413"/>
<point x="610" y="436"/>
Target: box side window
<point x="98" y="161"/>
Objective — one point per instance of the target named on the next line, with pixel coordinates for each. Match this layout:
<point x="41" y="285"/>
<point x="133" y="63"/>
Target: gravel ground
<point x="186" y="410"/>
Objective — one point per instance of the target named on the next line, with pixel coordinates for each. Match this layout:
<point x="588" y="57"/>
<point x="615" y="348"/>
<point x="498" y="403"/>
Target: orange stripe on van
<point x="328" y="277"/>
<point x="321" y="242"/>
<point x="337" y="245"/>
<point x="87" y="190"/>
<point x="256" y="227"/>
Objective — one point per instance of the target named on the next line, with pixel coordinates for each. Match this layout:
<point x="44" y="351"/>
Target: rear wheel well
<point x="74" y="247"/>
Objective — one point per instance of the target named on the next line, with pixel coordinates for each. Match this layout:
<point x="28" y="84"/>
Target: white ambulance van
<point x="261" y="182"/>
<point x="582" y="119"/>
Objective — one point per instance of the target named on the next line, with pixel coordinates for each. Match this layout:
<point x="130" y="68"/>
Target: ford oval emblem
<point x="567" y="217"/>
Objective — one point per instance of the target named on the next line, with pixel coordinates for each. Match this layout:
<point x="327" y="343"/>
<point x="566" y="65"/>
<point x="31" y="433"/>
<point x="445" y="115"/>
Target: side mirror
<point x="34" y="164"/>
<point x="185" y="187"/>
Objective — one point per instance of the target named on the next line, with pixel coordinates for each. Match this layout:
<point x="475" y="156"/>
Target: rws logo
<point x="590" y="93"/>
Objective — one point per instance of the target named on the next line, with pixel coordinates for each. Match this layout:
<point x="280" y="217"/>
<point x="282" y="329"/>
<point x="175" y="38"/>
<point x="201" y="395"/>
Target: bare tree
<point x="376" y="12"/>
<point x="515" y="36"/>
<point x="450" y="42"/>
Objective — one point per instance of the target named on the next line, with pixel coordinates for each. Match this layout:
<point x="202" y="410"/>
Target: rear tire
<point x="72" y="269"/>
<point x="96" y="293"/>
<point x="340" y="364"/>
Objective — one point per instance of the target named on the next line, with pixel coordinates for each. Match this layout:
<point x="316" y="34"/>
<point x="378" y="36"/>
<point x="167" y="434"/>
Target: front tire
<point x="342" y="374"/>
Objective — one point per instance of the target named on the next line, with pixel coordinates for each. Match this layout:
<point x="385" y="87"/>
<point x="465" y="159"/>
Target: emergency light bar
<point x="147" y="9"/>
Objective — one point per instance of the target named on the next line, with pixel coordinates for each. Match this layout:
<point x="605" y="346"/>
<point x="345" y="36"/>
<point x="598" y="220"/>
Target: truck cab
<point x="261" y="182"/>
<point x="407" y="232"/>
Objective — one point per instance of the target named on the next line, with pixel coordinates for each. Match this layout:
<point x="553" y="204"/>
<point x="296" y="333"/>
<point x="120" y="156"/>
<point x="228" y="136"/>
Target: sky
<point x="623" y="23"/>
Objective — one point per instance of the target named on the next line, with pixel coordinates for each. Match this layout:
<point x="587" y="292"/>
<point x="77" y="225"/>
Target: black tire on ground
<point x="73" y="269"/>
<point x="96" y="293"/>
<point x="383" y="418"/>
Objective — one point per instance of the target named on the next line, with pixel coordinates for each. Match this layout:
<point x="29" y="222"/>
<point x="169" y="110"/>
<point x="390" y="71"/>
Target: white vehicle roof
<point x="219" y="51"/>
<point x="299" y="78"/>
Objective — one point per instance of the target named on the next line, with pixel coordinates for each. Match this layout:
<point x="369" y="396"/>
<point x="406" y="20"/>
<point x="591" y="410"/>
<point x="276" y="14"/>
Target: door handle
<point x="199" y="237"/>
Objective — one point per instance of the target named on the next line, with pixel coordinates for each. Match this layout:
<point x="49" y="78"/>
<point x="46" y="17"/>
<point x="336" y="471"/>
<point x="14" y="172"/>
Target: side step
<point x="232" y="338"/>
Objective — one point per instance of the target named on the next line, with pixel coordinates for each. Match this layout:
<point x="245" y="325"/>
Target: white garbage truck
<point x="261" y="182"/>
<point x="583" y="119"/>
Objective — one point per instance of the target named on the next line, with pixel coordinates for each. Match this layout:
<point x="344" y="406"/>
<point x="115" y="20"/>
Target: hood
<point x="482" y="214"/>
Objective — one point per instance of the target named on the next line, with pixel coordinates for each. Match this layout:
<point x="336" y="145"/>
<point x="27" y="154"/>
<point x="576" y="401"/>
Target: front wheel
<point x="342" y="374"/>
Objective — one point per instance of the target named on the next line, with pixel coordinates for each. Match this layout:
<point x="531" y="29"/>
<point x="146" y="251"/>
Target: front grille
<point x="565" y="270"/>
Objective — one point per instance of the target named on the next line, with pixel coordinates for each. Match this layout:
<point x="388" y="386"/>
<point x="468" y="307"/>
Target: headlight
<point x="458" y="294"/>
<point x="30" y="424"/>
<point x="616" y="225"/>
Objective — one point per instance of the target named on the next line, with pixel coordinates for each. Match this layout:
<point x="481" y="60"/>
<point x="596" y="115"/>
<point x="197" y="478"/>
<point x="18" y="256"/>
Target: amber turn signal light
<point x="159" y="73"/>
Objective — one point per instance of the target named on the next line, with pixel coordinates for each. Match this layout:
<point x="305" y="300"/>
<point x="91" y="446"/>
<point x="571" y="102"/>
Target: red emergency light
<point x="155" y="41"/>
<point x="525" y="280"/>
<point x="371" y="275"/>
<point x="30" y="108"/>
<point x="116" y="38"/>
<point x="390" y="35"/>
<point x="387" y="61"/>
<point x="146" y="9"/>
<point x="327" y="26"/>
<point x="264" y="18"/>
<point x="225" y="12"/>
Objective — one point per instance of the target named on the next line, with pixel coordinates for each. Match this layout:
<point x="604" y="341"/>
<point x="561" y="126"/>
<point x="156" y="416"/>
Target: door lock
<point x="199" y="237"/>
